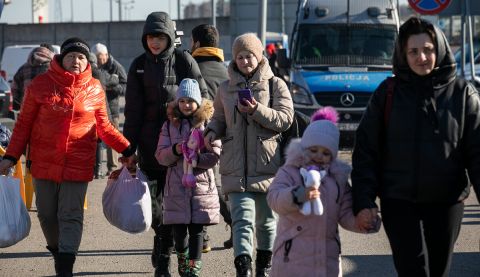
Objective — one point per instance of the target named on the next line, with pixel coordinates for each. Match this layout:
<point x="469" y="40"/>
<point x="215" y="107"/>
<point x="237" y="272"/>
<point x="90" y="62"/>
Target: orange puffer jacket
<point x="60" y="117"/>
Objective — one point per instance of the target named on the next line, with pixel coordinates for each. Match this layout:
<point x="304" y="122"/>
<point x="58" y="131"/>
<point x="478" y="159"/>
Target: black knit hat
<point x="74" y="45"/>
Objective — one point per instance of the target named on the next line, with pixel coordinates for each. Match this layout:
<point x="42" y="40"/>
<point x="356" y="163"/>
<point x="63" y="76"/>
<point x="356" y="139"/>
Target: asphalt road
<point x="107" y="251"/>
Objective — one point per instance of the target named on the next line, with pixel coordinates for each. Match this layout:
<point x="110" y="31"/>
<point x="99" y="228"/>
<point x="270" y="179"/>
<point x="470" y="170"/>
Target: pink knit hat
<point x="249" y="42"/>
<point x="323" y="130"/>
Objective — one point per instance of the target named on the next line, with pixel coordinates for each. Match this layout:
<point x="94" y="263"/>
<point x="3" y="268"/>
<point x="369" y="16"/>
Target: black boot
<point x="263" y="263"/>
<point x="163" y="266"/>
<point x="65" y="264"/>
<point x="155" y="250"/>
<point x="243" y="264"/>
<point x="54" y="252"/>
<point x="229" y="243"/>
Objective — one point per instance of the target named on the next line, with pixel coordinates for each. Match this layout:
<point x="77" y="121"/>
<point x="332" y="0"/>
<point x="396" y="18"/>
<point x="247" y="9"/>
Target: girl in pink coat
<point x="309" y="245"/>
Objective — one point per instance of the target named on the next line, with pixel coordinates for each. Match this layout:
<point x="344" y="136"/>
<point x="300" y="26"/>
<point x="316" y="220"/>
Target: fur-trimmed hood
<point x="203" y="114"/>
<point x="295" y="156"/>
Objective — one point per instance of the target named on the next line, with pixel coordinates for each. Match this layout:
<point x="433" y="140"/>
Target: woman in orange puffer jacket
<point x="62" y="112"/>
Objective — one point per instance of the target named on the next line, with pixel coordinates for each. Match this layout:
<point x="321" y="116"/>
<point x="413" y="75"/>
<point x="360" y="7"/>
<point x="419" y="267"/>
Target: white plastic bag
<point x="126" y="202"/>
<point x="14" y="218"/>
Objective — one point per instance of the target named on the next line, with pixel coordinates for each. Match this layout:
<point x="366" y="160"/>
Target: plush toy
<point x="312" y="176"/>
<point x="191" y="150"/>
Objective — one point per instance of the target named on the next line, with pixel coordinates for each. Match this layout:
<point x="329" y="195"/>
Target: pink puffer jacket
<point x="183" y="205"/>
<point x="310" y="245"/>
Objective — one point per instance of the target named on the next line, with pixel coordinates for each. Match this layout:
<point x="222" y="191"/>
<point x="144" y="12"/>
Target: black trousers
<point x="422" y="236"/>
<point x="189" y="236"/>
<point x="164" y="232"/>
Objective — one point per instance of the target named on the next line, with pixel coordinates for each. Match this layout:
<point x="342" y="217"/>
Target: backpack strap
<point x="270" y="91"/>
<point x="389" y="100"/>
<point x="180" y="65"/>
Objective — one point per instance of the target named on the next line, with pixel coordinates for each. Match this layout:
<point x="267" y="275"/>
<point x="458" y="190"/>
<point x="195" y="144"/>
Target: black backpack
<point x="299" y="124"/>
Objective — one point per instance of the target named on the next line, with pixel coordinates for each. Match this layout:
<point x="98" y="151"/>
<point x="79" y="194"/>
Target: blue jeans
<point x="246" y="209"/>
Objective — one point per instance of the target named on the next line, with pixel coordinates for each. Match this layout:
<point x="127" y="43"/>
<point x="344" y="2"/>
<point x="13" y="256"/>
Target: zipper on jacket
<point x="288" y="246"/>
<point x="416" y="135"/>
<point x="245" y="158"/>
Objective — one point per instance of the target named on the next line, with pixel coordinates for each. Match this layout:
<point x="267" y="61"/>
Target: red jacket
<point x="60" y="117"/>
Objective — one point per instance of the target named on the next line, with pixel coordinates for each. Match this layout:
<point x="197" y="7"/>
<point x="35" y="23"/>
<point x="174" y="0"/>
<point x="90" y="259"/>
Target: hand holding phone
<point x="243" y="95"/>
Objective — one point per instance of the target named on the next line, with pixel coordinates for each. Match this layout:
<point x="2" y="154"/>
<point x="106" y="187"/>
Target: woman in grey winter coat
<point x="250" y="133"/>
<point x="188" y="208"/>
<point x="309" y="245"/>
<point x="417" y="161"/>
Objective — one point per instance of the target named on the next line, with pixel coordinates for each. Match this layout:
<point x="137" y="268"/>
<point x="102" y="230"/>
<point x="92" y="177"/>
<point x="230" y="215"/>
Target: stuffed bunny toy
<point x="191" y="150"/>
<point x="312" y="176"/>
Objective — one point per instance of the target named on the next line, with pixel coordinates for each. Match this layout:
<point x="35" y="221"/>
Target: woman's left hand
<point x="250" y="106"/>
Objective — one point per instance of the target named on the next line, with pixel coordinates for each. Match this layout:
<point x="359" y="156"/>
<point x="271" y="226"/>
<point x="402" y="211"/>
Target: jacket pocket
<point x="227" y="156"/>
<point x="268" y="158"/>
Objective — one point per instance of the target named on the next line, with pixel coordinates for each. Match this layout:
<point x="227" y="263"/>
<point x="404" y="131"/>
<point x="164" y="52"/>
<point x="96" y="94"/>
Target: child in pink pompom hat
<point x="310" y="243"/>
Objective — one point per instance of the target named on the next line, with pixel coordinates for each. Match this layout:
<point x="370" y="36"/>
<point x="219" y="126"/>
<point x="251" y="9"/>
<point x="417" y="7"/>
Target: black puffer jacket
<point x="151" y="85"/>
<point x="432" y="137"/>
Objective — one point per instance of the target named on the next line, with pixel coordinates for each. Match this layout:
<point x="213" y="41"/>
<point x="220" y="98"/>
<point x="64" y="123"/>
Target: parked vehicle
<point x="15" y="56"/>
<point x="340" y="51"/>
<point x="476" y="55"/>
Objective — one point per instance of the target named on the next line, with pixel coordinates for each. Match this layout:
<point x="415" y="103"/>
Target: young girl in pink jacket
<point x="309" y="245"/>
<point x="190" y="198"/>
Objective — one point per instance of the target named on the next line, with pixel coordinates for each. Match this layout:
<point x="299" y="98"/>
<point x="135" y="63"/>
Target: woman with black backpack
<point x="250" y="131"/>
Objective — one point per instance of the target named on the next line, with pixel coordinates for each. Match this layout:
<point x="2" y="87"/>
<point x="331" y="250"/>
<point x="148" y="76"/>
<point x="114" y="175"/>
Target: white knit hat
<point x="189" y="88"/>
<point x="99" y="48"/>
<point x="324" y="133"/>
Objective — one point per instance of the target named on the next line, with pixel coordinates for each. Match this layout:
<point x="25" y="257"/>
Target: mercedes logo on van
<point x="347" y="99"/>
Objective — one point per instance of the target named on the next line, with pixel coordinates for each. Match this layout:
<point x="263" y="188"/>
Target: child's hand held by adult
<point x="208" y="140"/>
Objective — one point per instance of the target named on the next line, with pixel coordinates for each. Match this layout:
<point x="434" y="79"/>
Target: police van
<point x="340" y="51"/>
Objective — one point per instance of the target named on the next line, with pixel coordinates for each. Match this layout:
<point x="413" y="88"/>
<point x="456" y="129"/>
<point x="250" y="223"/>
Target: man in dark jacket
<point x="153" y="79"/>
<point x="114" y="90"/>
<point x="205" y="41"/>
<point x="204" y="48"/>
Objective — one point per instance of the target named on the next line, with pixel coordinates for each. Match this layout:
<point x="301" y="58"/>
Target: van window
<point x="341" y="45"/>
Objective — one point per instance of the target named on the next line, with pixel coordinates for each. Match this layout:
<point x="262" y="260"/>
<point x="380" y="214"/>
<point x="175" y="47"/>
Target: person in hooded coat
<point x="37" y="63"/>
<point x="152" y="82"/>
<point x="415" y="153"/>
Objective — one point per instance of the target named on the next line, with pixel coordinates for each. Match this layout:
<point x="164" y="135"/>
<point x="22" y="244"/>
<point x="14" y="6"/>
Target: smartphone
<point x="245" y="94"/>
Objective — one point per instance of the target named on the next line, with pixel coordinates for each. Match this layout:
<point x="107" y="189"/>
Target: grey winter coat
<point x="213" y="71"/>
<point x="115" y="90"/>
<point x="310" y="245"/>
<point x="250" y="143"/>
<point x="431" y="141"/>
<point x="182" y="205"/>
